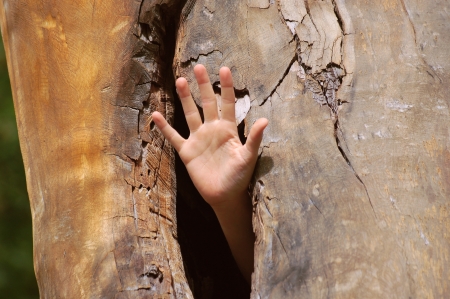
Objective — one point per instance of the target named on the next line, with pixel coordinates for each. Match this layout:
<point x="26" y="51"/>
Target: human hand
<point x="217" y="162"/>
<point x="219" y="165"/>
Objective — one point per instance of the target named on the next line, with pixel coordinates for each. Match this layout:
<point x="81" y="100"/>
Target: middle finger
<point x="207" y="95"/>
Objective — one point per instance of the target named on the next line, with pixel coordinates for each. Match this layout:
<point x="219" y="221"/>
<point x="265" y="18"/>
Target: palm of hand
<point x="219" y="165"/>
<point x="217" y="162"/>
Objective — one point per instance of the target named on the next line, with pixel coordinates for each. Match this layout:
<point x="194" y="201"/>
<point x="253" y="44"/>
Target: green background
<point x="17" y="278"/>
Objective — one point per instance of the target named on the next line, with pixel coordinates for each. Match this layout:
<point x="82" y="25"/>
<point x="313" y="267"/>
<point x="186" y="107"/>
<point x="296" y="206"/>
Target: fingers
<point x="207" y="95"/>
<point x="255" y="136"/>
<point x="191" y="113"/>
<point x="169" y="133"/>
<point x="227" y="94"/>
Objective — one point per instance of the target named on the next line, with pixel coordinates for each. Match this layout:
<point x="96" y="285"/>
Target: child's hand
<point x="218" y="164"/>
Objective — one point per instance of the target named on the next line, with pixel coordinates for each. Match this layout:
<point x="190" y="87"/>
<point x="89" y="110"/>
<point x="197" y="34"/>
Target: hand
<point x="219" y="165"/>
<point x="217" y="162"/>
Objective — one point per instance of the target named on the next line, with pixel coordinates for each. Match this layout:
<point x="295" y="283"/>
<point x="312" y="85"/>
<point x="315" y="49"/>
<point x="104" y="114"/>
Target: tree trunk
<point x="100" y="178"/>
<point x="350" y="192"/>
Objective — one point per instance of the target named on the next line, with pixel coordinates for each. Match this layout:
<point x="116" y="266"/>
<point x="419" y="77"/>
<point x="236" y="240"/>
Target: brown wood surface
<point x="86" y="76"/>
<point x="351" y="191"/>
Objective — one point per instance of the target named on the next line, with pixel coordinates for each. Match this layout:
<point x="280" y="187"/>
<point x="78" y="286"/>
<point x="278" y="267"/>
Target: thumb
<point x="255" y="136"/>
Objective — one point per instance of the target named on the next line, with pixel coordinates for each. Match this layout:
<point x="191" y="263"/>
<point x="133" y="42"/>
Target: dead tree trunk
<point x="351" y="192"/>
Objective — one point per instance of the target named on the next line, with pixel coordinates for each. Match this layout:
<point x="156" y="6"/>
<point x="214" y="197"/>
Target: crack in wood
<point x="314" y="204"/>
<point x="160" y="270"/>
<point x="325" y="83"/>
<point x="281" y="80"/>
<point x="195" y="59"/>
<point x="347" y="160"/>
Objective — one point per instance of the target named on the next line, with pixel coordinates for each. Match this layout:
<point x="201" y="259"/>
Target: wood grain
<point x="352" y="185"/>
<point x="350" y="192"/>
<point x="86" y="77"/>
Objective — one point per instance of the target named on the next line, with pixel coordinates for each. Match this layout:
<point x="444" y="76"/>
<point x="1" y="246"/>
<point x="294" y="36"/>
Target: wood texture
<point x="85" y="78"/>
<point x="351" y="190"/>
<point x="256" y="45"/>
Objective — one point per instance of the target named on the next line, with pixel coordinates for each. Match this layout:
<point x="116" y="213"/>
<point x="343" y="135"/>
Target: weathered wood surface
<point x="352" y="189"/>
<point x="85" y="78"/>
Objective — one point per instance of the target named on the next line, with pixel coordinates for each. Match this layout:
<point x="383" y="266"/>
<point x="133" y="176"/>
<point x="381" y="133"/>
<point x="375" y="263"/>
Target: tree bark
<point x="101" y="182"/>
<point x="351" y="191"/>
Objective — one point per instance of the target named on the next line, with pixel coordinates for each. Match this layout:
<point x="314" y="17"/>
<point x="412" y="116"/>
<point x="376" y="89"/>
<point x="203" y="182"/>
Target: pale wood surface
<point x="352" y="190"/>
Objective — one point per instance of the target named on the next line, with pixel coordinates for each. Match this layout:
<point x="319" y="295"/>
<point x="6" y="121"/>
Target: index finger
<point x="191" y="113"/>
<point x="207" y="95"/>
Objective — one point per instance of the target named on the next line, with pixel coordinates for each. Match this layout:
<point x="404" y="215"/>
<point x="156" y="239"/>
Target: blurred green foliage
<point x="17" y="278"/>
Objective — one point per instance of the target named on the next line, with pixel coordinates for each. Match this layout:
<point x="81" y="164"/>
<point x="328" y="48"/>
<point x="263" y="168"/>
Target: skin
<point x="219" y="165"/>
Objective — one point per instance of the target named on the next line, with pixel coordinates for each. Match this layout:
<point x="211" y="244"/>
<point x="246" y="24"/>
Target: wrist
<point x="233" y="210"/>
<point x="230" y="202"/>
